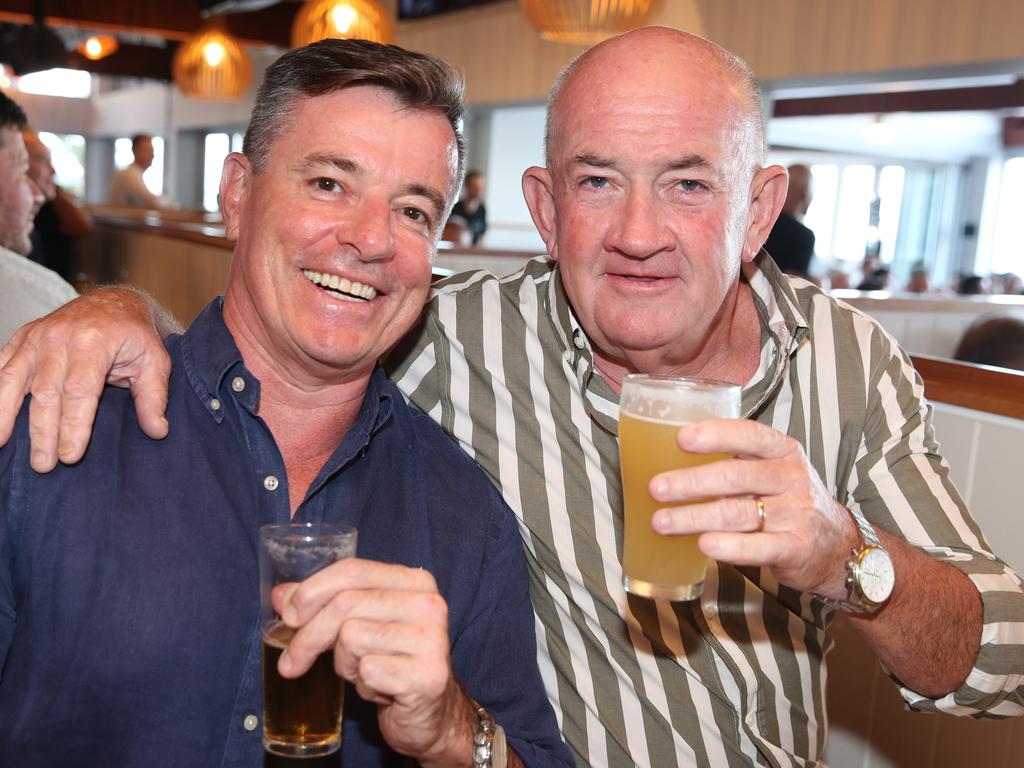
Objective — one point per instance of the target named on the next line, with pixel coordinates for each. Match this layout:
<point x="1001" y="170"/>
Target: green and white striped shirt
<point x="738" y="677"/>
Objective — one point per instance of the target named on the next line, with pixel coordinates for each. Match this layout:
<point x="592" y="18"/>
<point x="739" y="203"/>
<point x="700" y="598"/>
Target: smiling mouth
<point x="341" y="287"/>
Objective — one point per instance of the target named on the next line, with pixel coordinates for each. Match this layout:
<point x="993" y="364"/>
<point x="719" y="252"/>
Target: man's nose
<point x="38" y="198"/>
<point x="370" y="230"/>
<point x="640" y="231"/>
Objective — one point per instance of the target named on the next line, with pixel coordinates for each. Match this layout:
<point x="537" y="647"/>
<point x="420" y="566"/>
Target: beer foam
<point x="677" y="401"/>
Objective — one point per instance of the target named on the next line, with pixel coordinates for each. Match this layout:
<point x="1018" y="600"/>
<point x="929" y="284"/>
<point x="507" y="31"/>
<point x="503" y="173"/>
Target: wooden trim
<point x="979" y="387"/>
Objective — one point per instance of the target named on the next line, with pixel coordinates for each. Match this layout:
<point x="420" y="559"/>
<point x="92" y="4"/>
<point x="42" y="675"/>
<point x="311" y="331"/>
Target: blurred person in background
<point x="877" y="280"/>
<point x="60" y="219"/>
<point x="127" y="187"/>
<point x="470" y="208"/>
<point x="993" y="340"/>
<point x="791" y="243"/>
<point x="29" y="290"/>
<point x="918" y="282"/>
<point x="971" y="285"/>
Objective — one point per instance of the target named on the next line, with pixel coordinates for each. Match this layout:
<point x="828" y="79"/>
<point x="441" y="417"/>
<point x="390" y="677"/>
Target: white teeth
<point x="341" y="284"/>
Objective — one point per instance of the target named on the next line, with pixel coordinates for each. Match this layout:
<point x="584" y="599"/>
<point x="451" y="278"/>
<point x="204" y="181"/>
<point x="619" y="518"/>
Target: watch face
<point x="876" y="576"/>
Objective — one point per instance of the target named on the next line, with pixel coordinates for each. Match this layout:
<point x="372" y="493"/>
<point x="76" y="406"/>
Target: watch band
<point x="490" y="749"/>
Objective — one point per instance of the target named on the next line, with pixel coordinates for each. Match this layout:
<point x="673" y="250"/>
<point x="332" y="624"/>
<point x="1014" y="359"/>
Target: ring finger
<point x="734" y="513"/>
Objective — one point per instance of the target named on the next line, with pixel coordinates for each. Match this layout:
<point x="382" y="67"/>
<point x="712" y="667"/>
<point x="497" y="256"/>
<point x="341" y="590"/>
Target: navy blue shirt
<point x="129" y="582"/>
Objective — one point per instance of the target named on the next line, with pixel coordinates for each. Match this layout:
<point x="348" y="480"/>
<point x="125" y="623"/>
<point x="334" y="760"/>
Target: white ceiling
<point x="931" y="136"/>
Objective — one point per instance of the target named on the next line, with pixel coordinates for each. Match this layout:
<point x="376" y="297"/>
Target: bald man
<point x="654" y="204"/>
<point x="791" y="243"/>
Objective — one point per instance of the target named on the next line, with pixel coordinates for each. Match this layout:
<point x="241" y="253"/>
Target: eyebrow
<point x="679" y="164"/>
<point x="346" y="165"/>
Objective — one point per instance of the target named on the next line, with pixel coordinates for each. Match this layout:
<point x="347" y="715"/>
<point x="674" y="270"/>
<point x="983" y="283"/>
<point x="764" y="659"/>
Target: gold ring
<point x="760" y="513"/>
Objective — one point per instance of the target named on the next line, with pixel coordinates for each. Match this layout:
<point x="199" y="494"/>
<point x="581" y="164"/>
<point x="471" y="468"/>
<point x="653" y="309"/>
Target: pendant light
<point x="320" y="19"/>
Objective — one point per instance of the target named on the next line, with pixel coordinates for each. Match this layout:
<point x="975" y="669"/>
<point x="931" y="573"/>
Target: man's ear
<point x="767" y="196"/>
<point x="540" y="199"/>
<point x="235" y="183"/>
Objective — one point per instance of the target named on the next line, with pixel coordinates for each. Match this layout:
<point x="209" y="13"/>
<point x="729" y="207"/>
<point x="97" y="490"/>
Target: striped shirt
<point x="736" y="678"/>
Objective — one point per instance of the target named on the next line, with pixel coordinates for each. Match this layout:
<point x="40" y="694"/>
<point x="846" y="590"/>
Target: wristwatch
<point x="870" y="577"/>
<point x="490" y="749"/>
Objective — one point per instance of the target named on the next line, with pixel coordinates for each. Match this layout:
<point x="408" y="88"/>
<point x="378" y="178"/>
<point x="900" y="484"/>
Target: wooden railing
<point x="979" y="387"/>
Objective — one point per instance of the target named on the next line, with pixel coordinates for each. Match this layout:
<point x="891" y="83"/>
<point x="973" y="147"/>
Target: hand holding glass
<point x="301" y="716"/>
<point x="651" y="411"/>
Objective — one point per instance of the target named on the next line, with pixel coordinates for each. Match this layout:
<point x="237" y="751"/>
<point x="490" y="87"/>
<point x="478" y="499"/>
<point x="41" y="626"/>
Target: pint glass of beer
<point x="651" y="411"/>
<point x="301" y="716"/>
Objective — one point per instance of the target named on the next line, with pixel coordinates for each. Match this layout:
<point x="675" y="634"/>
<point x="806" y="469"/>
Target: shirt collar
<point x="209" y="355"/>
<point x="783" y="329"/>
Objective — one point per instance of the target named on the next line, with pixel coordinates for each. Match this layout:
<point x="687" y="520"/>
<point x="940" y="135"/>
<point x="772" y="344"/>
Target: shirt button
<point x="250" y="722"/>
<point x="215" y="404"/>
<point x="270" y="483"/>
<point x="238" y="383"/>
<point x="577" y="339"/>
<point x="711" y="611"/>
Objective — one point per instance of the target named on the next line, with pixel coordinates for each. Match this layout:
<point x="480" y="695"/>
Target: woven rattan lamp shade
<point x="320" y="19"/>
<point x="585" y="22"/>
<point x="212" y="65"/>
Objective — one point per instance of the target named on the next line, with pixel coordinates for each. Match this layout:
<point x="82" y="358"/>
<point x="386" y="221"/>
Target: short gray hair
<point x="417" y="80"/>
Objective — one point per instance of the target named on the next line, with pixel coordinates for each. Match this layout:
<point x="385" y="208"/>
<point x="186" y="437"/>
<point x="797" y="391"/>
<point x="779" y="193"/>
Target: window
<point x="154" y="175"/>
<point x="216" y="148"/>
<point x="70" y="83"/>
<point x="68" y="154"/>
<point x="1008" y="233"/>
<point x="901" y="213"/>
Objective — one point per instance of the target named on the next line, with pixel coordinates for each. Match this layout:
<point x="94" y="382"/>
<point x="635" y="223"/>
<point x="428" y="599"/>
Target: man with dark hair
<point x="470" y="210"/>
<point x="60" y="220"/>
<point x="127" y="187"/>
<point x="128" y="583"/>
<point x="994" y="339"/>
<point x="29" y="290"/>
<point x="654" y="204"/>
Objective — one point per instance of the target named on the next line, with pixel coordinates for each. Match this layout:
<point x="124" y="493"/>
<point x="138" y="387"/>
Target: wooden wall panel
<point x="505" y="61"/>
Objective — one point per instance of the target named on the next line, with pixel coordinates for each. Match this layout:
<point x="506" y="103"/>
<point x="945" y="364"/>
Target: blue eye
<point x="689" y="185"/>
<point x="596" y="182"/>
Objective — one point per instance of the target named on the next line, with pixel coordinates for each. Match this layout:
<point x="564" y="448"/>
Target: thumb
<point x="149" y="390"/>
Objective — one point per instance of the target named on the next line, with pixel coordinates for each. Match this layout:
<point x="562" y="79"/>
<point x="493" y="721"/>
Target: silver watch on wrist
<point x="489" y="747"/>
<point x="870" y="576"/>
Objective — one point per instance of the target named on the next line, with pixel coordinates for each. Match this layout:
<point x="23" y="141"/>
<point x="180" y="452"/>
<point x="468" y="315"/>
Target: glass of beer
<point x="651" y="411"/>
<point x="301" y="716"/>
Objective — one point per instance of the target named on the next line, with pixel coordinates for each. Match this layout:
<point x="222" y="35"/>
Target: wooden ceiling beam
<point x="169" y="20"/>
<point x="943" y="100"/>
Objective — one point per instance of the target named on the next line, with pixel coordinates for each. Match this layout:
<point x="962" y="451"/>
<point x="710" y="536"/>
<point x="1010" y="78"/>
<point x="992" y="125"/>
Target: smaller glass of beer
<point x="651" y="411"/>
<point x="301" y="716"/>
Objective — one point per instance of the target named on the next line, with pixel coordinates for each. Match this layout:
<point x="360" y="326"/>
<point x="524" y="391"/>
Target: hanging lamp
<point x="96" y="47"/>
<point x="320" y="19"/>
<point x="212" y="65"/>
<point x="585" y="22"/>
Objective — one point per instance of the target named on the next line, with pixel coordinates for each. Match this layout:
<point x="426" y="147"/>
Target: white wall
<point x="516" y="143"/>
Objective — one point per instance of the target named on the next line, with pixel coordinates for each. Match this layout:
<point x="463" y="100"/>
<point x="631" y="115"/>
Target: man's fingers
<point x="756" y="549"/>
<point x="359" y="622"/>
<point x="739" y="513"/>
<point x="83" y="386"/>
<point x="14" y="383"/>
<point x="353" y="573"/>
<point x="739" y="437"/>
<point x="150" y="392"/>
<point x="727" y="477"/>
<point x="45" y="412"/>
